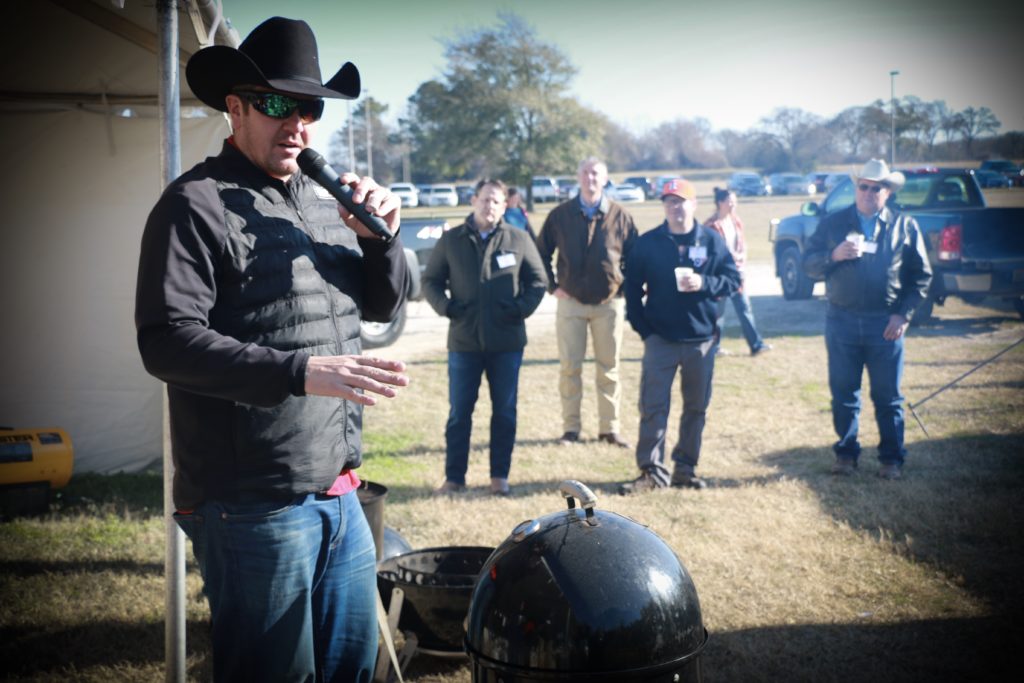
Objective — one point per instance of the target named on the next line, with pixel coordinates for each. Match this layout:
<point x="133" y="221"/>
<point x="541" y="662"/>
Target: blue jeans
<point x="291" y="588"/>
<point x="745" y="314"/>
<point x="465" y="369"/>
<point x="855" y="342"/>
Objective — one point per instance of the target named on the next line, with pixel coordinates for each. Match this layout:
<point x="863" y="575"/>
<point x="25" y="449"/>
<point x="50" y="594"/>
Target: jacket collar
<point x="602" y="206"/>
<point x="663" y="228"/>
<point x="471" y="226"/>
<point x="885" y="216"/>
<point x="252" y="175"/>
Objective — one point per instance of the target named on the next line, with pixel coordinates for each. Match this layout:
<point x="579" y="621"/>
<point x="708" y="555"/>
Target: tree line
<point x="502" y="108"/>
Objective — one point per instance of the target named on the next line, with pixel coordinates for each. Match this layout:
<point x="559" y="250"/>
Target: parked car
<point x="1013" y="172"/>
<point x="442" y="194"/>
<point x="643" y="182"/>
<point x="627" y="192"/>
<point x="545" y="189"/>
<point x="659" y="183"/>
<point x="747" y="184"/>
<point x="406" y="192"/>
<point x="419" y="235"/>
<point x="567" y="188"/>
<point x="789" y="183"/>
<point x="975" y="250"/>
<point x="987" y="178"/>
<point x="465" y="192"/>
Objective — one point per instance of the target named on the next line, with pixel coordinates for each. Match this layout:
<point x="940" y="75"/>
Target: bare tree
<point x="387" y="156"/>
<point x="679" y="144"/>
<point x="976" y="123"/>
<point x="621" y="149"/>
<point x="936" y="113"/>
<point x="800" y="136"/>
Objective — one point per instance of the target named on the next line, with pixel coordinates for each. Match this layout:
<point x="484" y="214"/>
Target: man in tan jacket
<point x="589" y="236"/>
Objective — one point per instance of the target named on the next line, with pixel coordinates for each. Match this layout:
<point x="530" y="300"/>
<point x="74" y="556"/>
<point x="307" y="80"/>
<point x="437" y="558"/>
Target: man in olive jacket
<point x="495" y="280"/>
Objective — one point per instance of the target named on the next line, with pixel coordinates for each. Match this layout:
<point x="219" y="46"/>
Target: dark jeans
<point x="465" y="369"/>
<point x="855" y="342"/>
<point x="745" y="314"/>
<point x="696" y="364"/>
<point x="291" y="588"/>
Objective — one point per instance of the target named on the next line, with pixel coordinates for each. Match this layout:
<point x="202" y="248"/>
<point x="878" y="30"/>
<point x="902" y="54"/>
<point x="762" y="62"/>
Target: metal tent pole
<point x="170" y="168"/>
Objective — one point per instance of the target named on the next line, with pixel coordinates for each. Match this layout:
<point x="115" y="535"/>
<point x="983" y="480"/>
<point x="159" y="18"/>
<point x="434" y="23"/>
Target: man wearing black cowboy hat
<point x="876" y="272"/>
<point x="250" y="292"/>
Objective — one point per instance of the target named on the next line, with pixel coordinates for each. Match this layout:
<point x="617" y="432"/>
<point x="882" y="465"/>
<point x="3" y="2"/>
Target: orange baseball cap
<point x="678" y="187"/>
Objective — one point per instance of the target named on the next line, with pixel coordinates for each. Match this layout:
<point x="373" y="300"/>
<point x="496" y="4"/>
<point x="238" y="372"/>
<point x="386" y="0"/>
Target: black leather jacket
<point x="893" y="280"/>
<point x="241" y="279"/>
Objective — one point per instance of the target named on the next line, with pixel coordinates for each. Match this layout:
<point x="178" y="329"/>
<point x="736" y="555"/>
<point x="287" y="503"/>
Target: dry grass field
<point x="801" y="577"/>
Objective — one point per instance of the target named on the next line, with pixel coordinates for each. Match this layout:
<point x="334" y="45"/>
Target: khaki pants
<point x="606" y="322"/>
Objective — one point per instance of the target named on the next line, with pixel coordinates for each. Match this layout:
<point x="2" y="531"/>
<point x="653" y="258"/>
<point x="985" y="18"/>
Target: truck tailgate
<point x="994" y="235"/>
<point x="992" y="251"/>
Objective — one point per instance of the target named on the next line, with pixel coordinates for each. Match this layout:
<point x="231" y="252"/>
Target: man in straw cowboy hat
<point x="250" y="292"/>
<point x="876" y="273"/>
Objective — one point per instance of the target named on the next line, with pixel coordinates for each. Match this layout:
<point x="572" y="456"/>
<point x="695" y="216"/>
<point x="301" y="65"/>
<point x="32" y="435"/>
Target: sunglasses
<point x="278" y="106"/>
<point x="864" y="187"/>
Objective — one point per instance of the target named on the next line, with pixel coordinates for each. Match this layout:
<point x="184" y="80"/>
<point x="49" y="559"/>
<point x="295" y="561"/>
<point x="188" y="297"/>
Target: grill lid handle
<point x="574" y="490"/>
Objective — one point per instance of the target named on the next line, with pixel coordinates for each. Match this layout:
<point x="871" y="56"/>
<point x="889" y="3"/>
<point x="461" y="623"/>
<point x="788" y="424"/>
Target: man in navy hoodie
<point x="683" y="268"/>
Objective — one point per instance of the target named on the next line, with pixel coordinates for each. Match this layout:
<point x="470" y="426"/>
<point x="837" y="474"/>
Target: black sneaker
<point x="691" y="481"/>
<point x="642" y="484"/>
<point x="569" y="438"/>
<point x="757" y="350"/>
<point x="614" y="439"/>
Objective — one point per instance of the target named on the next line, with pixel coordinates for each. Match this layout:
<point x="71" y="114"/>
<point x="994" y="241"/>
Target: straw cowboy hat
<point x="279" y="54"/>
<point x="877" y="171"/>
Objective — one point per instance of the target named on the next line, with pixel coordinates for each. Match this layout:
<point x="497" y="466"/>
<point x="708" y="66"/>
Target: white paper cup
<point x="680" y="274"/>
<point x="857" y="238"/>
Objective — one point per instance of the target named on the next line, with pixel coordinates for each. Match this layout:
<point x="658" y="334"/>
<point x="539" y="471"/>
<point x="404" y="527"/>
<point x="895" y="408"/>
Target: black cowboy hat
<point x="279" y="54"/>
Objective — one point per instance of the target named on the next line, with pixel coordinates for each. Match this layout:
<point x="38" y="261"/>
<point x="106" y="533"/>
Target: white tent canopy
<point x="81" y="145"/>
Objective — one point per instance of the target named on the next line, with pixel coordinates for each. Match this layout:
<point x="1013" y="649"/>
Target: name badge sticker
<point x="869" y="247"/>
<point x="506" y="260"/>
<point x="698" y="255"/>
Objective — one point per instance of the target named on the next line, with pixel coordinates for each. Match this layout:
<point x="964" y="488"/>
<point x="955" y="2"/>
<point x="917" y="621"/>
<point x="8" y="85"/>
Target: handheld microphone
<point x="316" y="167"/>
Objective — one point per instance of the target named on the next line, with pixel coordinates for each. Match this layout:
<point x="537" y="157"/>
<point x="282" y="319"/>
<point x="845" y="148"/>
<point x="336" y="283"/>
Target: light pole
<point x="892" y="119"/>
<point x="351" y="142"/>
<point x="369" y="146"/>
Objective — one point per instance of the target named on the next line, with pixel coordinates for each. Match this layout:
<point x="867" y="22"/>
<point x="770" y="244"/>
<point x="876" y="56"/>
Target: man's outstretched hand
<point x="351" y="377"/>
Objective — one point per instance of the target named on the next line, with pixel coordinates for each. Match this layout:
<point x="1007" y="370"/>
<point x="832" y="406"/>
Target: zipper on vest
<point x="326" y="287"/>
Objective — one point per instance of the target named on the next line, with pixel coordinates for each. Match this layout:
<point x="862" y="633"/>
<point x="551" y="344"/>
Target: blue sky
<point x="731" y="61"/>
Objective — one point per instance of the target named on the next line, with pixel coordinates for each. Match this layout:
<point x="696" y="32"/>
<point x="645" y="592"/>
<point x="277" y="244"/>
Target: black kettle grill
<point x="435" y="584"/>
<point x="584" y="595"/>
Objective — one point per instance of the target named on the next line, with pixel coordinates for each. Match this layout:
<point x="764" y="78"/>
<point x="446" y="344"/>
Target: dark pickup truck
<point x="976" y="251"/>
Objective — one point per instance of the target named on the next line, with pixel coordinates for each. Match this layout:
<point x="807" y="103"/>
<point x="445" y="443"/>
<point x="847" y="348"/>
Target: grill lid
<point x="584" y="590"/>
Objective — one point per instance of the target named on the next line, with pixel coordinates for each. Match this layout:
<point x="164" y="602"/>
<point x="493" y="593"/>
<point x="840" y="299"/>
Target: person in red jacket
<point x="727" y="223"/>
